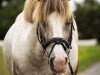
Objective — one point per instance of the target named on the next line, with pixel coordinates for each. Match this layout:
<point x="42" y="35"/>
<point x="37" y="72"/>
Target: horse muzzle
<point x="58" y="65"/>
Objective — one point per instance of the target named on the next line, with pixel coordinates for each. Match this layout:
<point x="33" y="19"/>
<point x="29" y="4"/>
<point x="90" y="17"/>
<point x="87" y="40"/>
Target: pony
<point x="43" y="40"/>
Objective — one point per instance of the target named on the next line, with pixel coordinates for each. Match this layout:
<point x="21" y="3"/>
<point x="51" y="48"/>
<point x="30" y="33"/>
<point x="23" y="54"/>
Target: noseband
<point x="66" y="44"/>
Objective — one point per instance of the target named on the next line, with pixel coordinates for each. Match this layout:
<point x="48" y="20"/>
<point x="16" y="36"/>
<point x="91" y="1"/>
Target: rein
<point x="67" y="45"/>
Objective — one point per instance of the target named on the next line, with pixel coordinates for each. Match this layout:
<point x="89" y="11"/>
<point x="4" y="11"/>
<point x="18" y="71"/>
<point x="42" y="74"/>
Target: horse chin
<point x="59" y="70"/>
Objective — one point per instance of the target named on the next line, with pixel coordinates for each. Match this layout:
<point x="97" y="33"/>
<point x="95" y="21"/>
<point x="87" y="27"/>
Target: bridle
<point x="66" y="44"/>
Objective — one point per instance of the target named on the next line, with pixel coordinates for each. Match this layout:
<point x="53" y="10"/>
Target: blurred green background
<point x="87" y="15"/>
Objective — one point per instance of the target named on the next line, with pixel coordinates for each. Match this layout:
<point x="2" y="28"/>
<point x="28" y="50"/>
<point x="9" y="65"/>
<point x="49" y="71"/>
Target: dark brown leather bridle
<point x="66" y="44"/>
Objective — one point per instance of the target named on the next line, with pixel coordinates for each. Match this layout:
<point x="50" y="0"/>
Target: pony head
<point x="52" y="18"/>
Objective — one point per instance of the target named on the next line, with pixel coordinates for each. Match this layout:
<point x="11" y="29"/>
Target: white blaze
<point x="56" y="22"/>
<point x="59" y="52"/>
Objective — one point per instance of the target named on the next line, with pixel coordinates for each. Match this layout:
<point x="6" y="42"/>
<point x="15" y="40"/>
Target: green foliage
<point x="88" y="56"/>
<point x="8" y="15"/>
<point x="88" y="19"/>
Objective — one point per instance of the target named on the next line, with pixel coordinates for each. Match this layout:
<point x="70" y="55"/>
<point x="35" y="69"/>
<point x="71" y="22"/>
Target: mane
<point x="38" y="10"/>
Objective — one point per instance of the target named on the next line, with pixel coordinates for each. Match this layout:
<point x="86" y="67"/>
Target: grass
<point x="87" y="57"/>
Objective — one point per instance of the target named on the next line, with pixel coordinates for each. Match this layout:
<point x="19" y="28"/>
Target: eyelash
<point x="68" y="23"/>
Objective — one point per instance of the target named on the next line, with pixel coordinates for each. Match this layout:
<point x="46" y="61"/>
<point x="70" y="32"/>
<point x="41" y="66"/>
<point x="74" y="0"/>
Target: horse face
<point x="58" y="58"/>
<point x="56" y="27"/>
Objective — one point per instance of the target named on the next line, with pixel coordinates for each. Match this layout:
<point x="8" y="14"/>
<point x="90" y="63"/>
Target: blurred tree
<point x="8" y="13"/>
<point x="88" y="19"/>
<point x="0" y="3"/>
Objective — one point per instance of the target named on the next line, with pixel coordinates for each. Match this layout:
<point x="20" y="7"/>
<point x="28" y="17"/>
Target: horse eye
<point x="68" y="23"/>
<point x="44" y="25"/>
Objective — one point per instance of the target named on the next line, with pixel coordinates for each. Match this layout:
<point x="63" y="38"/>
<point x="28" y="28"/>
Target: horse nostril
<point x="66" y="60"/>
<point x="52" y="59"/>
<point x="51" y="63"/>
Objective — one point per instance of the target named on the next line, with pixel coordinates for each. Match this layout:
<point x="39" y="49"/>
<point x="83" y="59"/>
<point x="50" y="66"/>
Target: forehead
<point x="55" y="18"/>
<point x="56" y="21"/>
